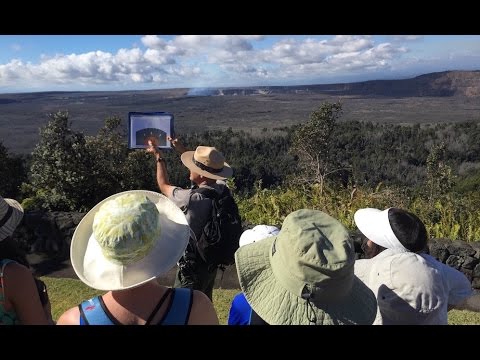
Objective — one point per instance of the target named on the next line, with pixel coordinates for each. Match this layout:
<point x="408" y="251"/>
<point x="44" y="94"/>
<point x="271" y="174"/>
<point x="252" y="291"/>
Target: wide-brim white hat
<point x="98" y="272"/>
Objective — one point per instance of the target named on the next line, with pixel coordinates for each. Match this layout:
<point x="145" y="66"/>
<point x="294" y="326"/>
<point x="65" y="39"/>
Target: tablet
<point x="145" y="126"/>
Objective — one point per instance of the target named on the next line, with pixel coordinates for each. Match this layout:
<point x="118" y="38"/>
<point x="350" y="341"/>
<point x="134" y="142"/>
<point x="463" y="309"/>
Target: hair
<point x="375" y="248"/>
<point x="358" y="240"/>
<point x="408" y="229"/>
<point x="10" y="249"/>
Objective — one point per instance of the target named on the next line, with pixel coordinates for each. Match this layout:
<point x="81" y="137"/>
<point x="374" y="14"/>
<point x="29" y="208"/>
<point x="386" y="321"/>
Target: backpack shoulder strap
<point x="159" y="304"/>
<point x="208" y="193"/>
<point x="94" y="312"/>
<point x="178" y="312"/>
<point x="205" y="192"/>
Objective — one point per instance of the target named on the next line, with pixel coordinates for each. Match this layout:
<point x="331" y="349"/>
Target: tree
<point x="440" y="179"/>
<point x="13" y="168"/>
<point x="139" y="172"/>
<point x="109" y="150"/>
<point x="60" y="177"/>
<point x="312" y="143"/>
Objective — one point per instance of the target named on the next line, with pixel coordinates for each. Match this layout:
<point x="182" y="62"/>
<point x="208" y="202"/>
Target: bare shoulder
<point x="22" y="294"/>
<point x="203" y="311"/>
<point x="70" y="317"/>
<point x="18" y="279"/>
<point x="18" y="283"/>
<point x="17" y="271"/>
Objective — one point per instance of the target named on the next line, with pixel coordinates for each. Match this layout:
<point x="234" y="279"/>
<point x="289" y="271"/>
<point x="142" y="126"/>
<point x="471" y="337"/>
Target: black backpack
<point x="219" y="239"/>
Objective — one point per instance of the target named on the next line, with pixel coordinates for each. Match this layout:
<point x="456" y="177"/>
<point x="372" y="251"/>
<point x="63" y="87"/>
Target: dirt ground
<point x="43" y="266"/>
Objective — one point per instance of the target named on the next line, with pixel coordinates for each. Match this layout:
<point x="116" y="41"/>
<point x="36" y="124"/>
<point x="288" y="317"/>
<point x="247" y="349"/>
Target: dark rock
<point x="476" y="246"/>
<point x="460" y="248"/>
<point x="455" y="261"/>
<point x="63" y="221"/>
<point x="476" y="271"/>
<point x="468" y="273"/>
<point x="438" y="249"/>
<point x="470" y="262"/>
<point x="476" y="283"/>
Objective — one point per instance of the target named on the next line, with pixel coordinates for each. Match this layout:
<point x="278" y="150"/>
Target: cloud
<point x="179" y="61"/>
<point x="153" y="42"/>
<point x="12" y="71"/>
<point x="310" y="51"/>
<point x="175" y="61"/>
<point x="228" y="43"/>
<point x="312" y="57"/>
<point x="407" y="37"/>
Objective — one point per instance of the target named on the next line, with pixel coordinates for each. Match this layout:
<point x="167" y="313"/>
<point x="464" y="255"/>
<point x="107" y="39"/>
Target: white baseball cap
<point x="259" y="232"/>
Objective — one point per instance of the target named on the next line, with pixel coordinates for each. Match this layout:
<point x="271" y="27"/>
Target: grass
<point x="461" y="317"/>
<point x="67" y="293"/>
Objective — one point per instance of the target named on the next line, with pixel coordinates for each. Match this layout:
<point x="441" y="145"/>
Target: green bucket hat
<point x="304" y="275"/>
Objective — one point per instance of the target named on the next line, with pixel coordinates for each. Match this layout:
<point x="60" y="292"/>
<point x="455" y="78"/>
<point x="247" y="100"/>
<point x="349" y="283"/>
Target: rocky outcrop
<point x="48" y="233"/>
<point x="461" y="255"/>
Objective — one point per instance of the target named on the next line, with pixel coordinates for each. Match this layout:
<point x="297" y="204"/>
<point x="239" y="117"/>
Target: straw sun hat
<point x="207" y="161"/>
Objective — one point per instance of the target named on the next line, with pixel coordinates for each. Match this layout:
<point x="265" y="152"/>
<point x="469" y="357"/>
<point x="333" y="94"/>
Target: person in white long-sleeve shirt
<point x="411" y="286"/>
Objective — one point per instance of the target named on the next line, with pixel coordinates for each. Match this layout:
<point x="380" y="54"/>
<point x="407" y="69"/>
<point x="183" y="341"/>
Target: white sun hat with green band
<point x="304" y="275"/>
<point x="128" y="239"/>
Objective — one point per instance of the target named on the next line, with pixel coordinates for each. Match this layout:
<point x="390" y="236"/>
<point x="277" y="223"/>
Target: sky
<point x="31" y="63"/>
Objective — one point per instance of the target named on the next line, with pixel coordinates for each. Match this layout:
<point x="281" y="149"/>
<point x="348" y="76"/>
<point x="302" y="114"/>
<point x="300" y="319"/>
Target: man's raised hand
<point x="177" y="145"/>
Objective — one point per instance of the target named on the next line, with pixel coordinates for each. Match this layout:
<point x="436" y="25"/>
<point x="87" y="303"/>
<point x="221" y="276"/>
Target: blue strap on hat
<point x="180" y="308"/>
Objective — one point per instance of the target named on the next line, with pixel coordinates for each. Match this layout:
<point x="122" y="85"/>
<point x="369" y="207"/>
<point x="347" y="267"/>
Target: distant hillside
<point x="431" y="98"/>
<point x="447" y="83"/>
